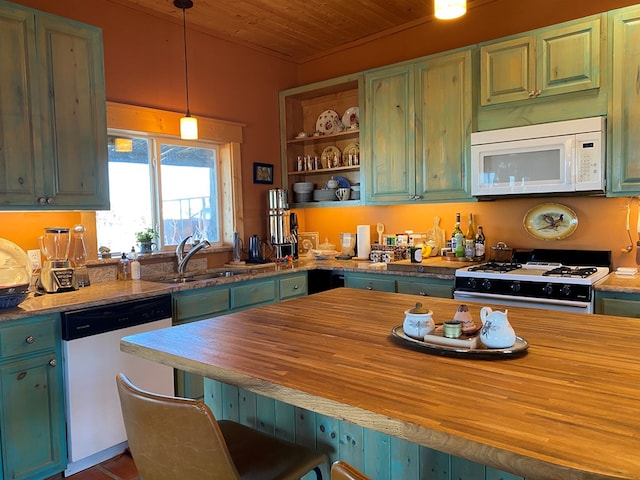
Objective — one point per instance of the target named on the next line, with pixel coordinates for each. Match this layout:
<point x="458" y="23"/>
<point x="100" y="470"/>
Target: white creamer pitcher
<point x="496" y="331"/>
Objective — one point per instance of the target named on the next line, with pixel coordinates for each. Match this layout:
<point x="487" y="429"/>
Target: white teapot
<point x="496" y="331"/>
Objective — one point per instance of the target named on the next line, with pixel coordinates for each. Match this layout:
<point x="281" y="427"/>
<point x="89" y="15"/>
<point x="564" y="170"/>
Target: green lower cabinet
<point x="426" y="287"/>
<point x="371" y="281"/>
<point x="208" y="302"/>
<point x="378" y="455"/>
<point x="293" y="286"/>
<point x="32" y="427"/>
<point x="618" y="304"/>
<point x="432" y="287"/>
<point x="253" y="293"/>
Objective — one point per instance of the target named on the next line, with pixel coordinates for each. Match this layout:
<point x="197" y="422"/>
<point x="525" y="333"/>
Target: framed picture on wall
<point x="263" y="173"/>
<point x="307" y="241"/>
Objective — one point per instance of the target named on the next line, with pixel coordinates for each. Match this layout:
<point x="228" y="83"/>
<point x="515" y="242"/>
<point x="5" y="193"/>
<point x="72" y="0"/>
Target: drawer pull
<point x="424" y="294"/>
<point x="30" y="339"/>
<point x="53" y="362"/>
<point x="295" y="287"/>
<point x="369" y="287"/>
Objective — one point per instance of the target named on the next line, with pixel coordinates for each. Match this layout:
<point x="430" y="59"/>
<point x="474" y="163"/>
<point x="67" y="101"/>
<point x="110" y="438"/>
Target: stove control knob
<point x="486" y="284"/>
<point x="565" y="290"/>
<point x="515" y="286"/>
<point x="547" y="289"/>
<point x="472" y="283"/>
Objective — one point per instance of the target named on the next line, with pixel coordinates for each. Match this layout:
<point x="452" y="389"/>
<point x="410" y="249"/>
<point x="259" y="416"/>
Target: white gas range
<point x="536" y="279"/>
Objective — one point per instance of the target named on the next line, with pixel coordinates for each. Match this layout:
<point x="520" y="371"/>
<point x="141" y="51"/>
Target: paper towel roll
<point x="364" y="241"/>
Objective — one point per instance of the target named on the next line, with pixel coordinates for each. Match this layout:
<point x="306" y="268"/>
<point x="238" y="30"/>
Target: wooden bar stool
<point x="343" y="471"/>
<point x="171" y="437"/>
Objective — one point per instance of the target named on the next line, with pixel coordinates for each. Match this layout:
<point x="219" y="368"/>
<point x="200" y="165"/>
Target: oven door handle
<point x="462" y="295"/>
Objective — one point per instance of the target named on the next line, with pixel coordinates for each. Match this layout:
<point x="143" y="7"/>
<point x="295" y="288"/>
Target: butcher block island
<point x="565" y="409"/>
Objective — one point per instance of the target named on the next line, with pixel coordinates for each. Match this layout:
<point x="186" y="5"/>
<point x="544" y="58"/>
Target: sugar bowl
<point x="418" y="322"/>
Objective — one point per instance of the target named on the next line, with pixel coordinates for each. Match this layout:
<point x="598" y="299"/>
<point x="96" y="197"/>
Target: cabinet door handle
<point x="424" y="294"/>
<point x="30" y="339"/>
<point x="49" y="200"/>
<point x="42" y="200"/>
<point x="53" y="362"/>
<point x="369" y="287"/>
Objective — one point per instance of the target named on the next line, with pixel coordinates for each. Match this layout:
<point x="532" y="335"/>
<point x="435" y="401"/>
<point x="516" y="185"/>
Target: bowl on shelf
<point x="303" y="187"/>
<point x="304" y="197"/>
<point x="325" y="195"/>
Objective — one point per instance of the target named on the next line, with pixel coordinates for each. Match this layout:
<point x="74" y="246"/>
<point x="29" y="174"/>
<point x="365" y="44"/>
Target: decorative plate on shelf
<point x="351" y="118"/>
<point x="331" y="157"/>
<point x="351" y="149"/>
<point x="328" y="123"/>
<point x="550" y="221"/>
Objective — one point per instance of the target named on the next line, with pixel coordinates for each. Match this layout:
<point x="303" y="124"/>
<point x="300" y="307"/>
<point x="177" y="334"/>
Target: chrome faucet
<point x="183" y="258"/>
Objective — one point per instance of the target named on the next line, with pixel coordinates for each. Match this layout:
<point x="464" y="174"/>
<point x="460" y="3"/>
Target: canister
<point x="415" y="252"/>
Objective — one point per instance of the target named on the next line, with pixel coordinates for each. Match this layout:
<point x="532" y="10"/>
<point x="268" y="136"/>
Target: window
<point x="178" y="196"/>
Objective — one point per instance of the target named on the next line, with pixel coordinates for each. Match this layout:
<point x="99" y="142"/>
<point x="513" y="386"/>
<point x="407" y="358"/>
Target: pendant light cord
<point x="186" y="63"/>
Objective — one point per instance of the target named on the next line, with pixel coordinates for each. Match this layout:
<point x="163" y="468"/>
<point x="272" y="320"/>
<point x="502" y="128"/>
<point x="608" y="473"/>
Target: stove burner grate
<point x="501" y="267"/>
<point x="582" y="272"/>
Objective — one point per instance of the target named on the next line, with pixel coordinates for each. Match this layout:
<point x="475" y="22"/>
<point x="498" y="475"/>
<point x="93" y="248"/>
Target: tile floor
<point x="120" y="467"/>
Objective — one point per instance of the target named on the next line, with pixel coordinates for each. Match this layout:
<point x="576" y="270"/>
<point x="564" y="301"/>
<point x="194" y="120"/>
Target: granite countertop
<point x="619" y="283"/>
<point x="120" y="291"/>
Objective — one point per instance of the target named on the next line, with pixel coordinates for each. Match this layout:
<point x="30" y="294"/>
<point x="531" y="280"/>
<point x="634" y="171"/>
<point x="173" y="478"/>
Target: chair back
<point x="172" y="437"/>
<point x="343" y="471"/>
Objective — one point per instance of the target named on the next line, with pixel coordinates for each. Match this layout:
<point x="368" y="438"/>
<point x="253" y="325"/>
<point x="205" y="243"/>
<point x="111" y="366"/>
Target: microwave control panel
<point x="589" y="161"/>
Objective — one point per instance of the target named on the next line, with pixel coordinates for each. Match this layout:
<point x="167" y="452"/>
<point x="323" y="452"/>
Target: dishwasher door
<point x="95" y="429"/>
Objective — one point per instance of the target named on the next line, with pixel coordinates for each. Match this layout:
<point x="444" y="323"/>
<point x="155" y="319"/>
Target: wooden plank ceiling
<point x="293" y="29"/>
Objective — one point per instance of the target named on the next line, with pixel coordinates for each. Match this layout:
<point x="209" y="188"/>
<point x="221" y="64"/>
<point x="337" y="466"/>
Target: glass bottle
<point x="480" y="243"/>
<point x="79" y="257"/>
<point x="456" y="231"/>
<point x="471" y="234"/>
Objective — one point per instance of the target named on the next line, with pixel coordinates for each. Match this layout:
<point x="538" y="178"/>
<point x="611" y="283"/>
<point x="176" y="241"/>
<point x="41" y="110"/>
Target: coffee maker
<point x="283" y="225"/>
<point x="57" y="275"/>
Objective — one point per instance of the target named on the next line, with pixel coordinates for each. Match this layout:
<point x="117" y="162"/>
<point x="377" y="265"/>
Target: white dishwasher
<point x="92" y="358"/>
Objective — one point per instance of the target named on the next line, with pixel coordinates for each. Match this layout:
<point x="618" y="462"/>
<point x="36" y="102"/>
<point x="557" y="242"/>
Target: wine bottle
<point x="456" y="231"/>
<point x="471" y="234"/>
<point x="480" y="243"/>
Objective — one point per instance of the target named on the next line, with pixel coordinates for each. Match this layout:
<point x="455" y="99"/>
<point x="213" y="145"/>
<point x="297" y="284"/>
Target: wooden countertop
<point x="568" y="409"/>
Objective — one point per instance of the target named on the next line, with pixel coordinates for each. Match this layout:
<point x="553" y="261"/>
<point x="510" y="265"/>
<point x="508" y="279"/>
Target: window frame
<point x="228" y="137"/>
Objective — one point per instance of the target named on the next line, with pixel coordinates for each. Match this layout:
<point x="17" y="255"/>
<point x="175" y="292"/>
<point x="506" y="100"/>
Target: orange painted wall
<point x="601" y="222"/>
<point x="144" y="65"/>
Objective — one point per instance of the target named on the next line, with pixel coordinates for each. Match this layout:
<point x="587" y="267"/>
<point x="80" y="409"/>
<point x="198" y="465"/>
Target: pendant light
<point x="448" y="9"/>
<point x="188" y="124"/>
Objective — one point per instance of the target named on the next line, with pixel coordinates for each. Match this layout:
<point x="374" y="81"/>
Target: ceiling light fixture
<point x="188" y="124"/>
<point x="448" y="9"/>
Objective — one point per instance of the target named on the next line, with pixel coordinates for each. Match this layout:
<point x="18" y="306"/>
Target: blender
<point x="57" y="274"/>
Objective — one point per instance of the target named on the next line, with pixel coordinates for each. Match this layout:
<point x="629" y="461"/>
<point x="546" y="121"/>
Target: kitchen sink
<point x="191" y="277"/>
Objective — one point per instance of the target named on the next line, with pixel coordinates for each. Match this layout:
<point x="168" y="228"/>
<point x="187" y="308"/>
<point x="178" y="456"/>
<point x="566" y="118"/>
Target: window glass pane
<point x="189" y="192"/>
<point x="130" y="195"/>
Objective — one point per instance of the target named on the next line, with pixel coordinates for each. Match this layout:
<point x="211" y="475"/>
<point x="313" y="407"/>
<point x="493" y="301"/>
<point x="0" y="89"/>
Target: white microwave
<point x="560" y="157"/>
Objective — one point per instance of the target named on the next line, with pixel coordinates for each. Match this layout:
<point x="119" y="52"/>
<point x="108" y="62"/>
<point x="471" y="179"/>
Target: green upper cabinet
<point x="416" y="131"/>
<point x="443" y="126"/>
<point x="53" y="135"/>
<point x="624" y="118"/>
<point x="554" y="61"/>
<point x="389" y="136"/>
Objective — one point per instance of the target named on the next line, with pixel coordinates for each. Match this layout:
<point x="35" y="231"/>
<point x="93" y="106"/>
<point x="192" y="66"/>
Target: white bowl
<point x="327" y="195"/>
<point x="303" y="187"/>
